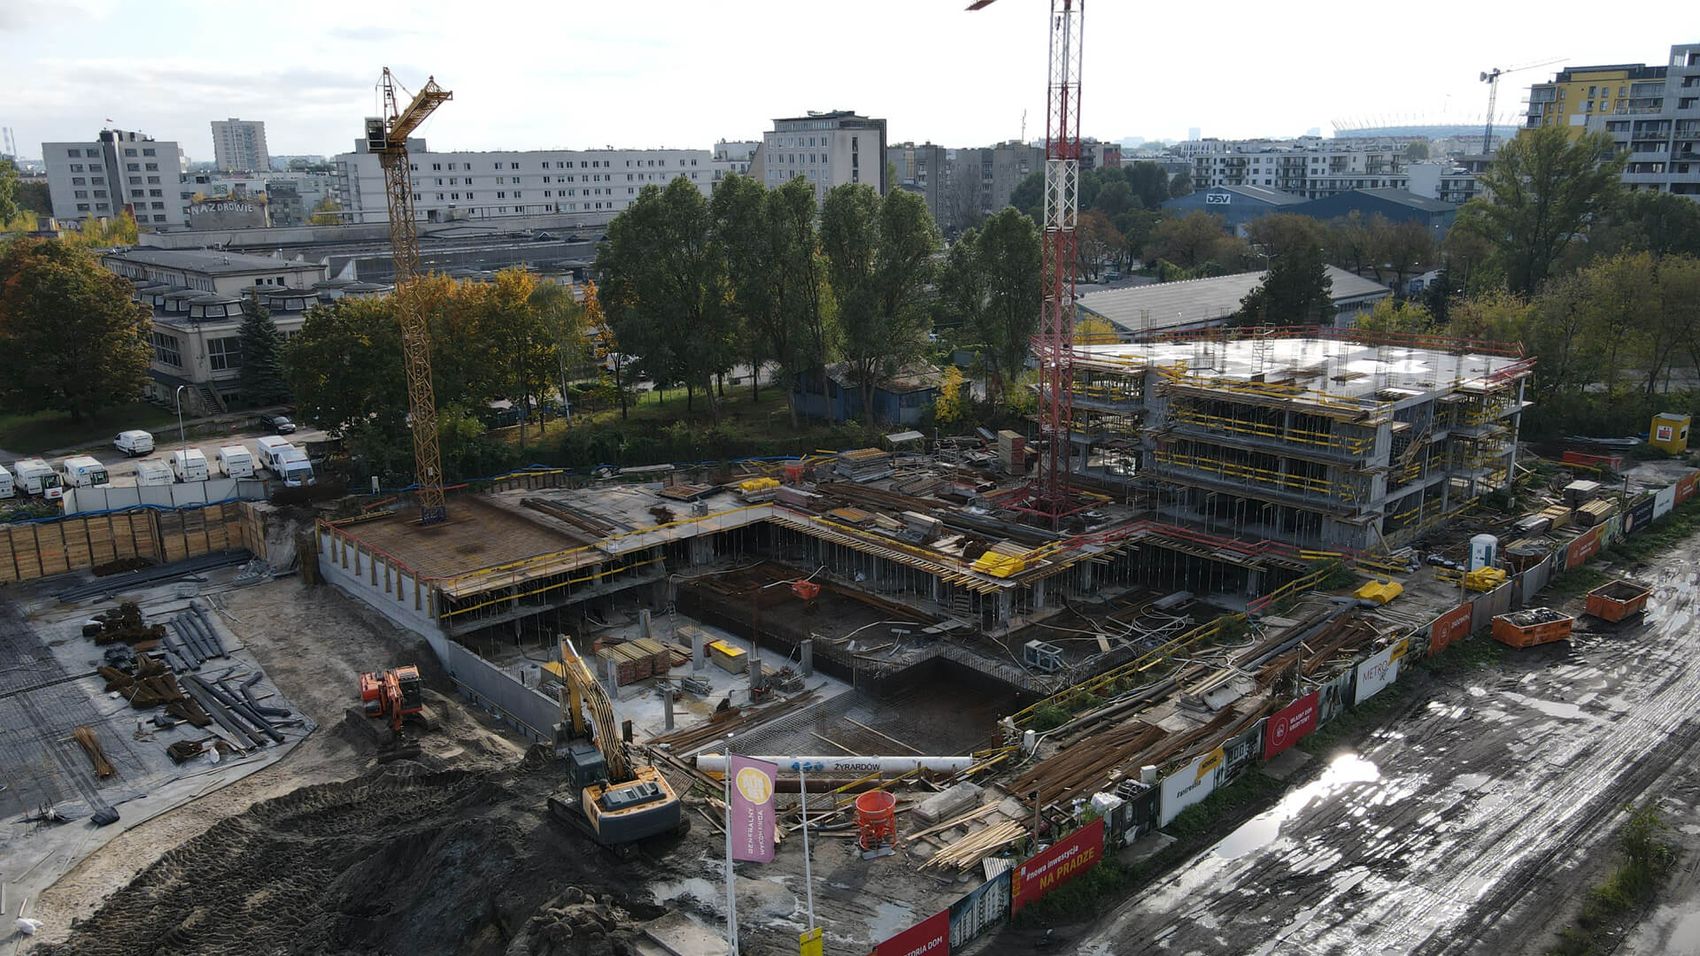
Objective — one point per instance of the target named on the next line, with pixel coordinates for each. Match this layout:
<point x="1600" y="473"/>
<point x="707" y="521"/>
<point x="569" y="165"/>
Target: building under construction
<point x="1331" y="441"/>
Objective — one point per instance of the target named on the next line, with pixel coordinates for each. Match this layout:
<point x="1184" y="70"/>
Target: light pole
<point x="178" y="395"/>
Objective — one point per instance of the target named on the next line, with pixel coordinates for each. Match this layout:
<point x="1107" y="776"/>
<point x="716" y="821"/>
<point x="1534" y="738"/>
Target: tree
<point x="1282" y="234"/>
<point x="879" y="255"/>
<point x="1495" y="315"/>
<point x="1029" y="195"/>
<point x="1438" y="295"/>
<point x="263" y="381"/>
<point x="71" y="337"/>
<point x="664" y="288"/>
<point x="1149" y="182"/>
<point x="344" y="368"/>
<point x="1189" y="241"/>
<point x="1406" y="248"/>
<point x="1547" y="185"/>
<point x="522" y="343"/>
<point x="1416" y="150"/>
<point x="1095" y="331"/>
<point x="990" y="286"/>
<point x="1295" y="291"/>
<point x="1398" y="316"/>
<point x="948" y="407"/>
<point x="1657" y="222"/>
<point x="1181" y="184"/>
<point x="563" y="321"/>
<point x="9" y="209"/>
<point x="326" y="212"/>
<point x="1115" y="198"/>
<point x="1099" y="242"/>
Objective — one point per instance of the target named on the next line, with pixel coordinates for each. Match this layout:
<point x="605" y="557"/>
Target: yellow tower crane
<point x="387" y="137"/>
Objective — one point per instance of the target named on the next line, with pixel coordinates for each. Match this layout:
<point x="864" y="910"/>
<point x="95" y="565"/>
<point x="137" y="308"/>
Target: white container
<point x="134" y="442"/>
<point x="189" y="464"/>
<point x="151" y="473"/>
<point x="1484" y="551"/>
<point x="7" y="489"/>
<point x="81" y="471"/>
<point x="35" y="477"/>
<point x="235" y="461"/>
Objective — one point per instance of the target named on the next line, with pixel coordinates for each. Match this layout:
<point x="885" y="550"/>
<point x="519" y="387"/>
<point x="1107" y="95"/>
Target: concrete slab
<point x="1287" y="763"/>
<point x="1144" y="848"/>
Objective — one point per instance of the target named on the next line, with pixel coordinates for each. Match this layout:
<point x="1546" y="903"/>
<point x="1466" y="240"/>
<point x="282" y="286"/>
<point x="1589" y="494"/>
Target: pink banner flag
<point x="752" y="809"/>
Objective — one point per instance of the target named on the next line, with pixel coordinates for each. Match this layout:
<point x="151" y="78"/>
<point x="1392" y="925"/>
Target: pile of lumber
<point x="969" y="850"/>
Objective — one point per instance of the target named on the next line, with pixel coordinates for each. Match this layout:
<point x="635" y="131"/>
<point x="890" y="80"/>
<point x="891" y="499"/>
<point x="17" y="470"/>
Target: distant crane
<point x="1491" y="78"/>
<point x="1053" y="346"/>
<point x="387" y="137"/>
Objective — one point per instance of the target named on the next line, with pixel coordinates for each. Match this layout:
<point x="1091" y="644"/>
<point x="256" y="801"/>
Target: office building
<point x="451" y="186"/>
<point x="828" y="149"/>
<point x="1652" y="112"/>
<point x="119" y="170"/>
<point x="240" y="146"/>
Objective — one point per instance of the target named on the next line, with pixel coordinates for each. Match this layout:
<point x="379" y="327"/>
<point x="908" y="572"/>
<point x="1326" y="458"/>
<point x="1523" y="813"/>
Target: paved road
<point x="1464" y="824"/>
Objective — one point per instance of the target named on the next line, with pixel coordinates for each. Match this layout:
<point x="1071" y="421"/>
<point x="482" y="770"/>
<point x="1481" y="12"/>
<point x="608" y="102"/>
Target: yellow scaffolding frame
<point x="1347" y="443"/>
<point x="1252" y="473"/>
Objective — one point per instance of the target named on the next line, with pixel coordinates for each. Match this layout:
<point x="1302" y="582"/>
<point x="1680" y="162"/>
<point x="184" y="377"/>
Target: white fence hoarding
<point x="1379" y="670"/>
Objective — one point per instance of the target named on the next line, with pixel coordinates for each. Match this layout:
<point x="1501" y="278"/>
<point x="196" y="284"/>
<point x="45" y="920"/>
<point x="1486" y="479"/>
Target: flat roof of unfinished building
<point x="477" y="535"/>
<point x="1347" y="369"/>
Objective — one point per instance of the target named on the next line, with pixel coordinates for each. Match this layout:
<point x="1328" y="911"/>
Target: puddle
<point x="889" y="920"/>
<point x="710" y="895"/>
<point x="1685" y="934"/>
<point x="1261" y="830"/>
<point x="1551" y="708"/>
<point x="1471" y="781"/>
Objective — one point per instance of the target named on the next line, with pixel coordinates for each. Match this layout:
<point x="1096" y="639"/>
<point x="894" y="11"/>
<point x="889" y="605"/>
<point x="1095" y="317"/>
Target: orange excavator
<point x="394" y="695"/>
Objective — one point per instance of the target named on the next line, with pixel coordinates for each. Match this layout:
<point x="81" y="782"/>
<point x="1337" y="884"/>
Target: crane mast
<point x="387" y="136"/>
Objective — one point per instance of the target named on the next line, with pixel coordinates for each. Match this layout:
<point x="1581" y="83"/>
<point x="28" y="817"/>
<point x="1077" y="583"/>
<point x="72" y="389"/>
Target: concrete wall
<point x="187" y="494"/>
<point x="392" y="590"/>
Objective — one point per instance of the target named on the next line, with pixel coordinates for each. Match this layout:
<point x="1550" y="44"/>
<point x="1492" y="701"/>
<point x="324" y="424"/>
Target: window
<point x="81" y="194"/>
<point x="437" y="166"/>
<point x="224" y="354"/>
<point x="100" y="194"/>
<point x="156" y="192"/>
<point x="91" y="153"/>
<point x="133" y="167"/>
<point x="513" y="165"/>
<point x="79" y="181"/>
<point x="166" y="350"/>
<point x="76" y="167"/>
<point x="129" y="151"/>
<point x="82" y="207"/>
<point x="153" y="180"/>
<point x="501" y="195"/>
<point x="135" y="180"/>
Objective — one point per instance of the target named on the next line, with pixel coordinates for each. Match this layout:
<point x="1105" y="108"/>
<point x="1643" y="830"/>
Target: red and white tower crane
<point x="1053" y="346"/>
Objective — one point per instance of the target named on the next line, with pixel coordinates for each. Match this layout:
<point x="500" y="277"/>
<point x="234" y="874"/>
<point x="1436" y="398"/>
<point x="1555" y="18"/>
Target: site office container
<point x="1616" y="600"/>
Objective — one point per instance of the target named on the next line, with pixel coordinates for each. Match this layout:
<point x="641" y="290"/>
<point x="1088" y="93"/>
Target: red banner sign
<point x="1452" y="626"/>
<point x="930" y="937"/>
<point x="1062" y="861"/>
<point x="1583" y="547"/>
<point x="1289" y="725"/>
<point x="1685" y="486"/>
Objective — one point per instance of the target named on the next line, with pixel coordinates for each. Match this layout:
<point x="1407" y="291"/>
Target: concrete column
<point x="643" y="622"/>
<point x="1038" y="595"/>
<point x="1253" y="581"/>
<point x="667" y="707"/>
<point x="699" y="649"/>
<point x="1086" y="576"/>
<point x="1006" y="606"/>
<point x="806" y="650"/>
<point x="612" y="677"/>
<point x="755" y="674"/>
<point x="702" y="551"/>
<point x="938" y="589"/>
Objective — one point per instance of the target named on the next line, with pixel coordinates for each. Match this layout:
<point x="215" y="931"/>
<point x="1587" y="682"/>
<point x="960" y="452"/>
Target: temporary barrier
<point x="1289" y="725"/>
<point x="1583" y="547"/>
<point x="1379" y="670"/>
<point x="1663" y="501"/>
<point x="1486" y="606"/>
<point x="1188" y="785"/>
<point x="1335" y="696"/>
<point x="980" y="910"/>
<point x="930" y="937"/>
<point x="1452" y="626"/>
<point x="1059" y="863"/>
<point x="188" y="494"/>
<point x="1638" y="516"/>
<point x="36" y="549"/>
<point x="1240" y="752"/>
<point x="1685" y="486"/>
<point x="1137" y="815"/>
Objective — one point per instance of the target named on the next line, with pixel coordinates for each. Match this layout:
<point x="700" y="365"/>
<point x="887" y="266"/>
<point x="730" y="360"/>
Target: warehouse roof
<point x="1195" y="303"/>
<point x="207" y="261"/>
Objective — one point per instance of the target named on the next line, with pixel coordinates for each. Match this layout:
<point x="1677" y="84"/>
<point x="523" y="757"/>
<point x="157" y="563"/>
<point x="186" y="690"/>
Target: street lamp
<point x="179" y="397"/>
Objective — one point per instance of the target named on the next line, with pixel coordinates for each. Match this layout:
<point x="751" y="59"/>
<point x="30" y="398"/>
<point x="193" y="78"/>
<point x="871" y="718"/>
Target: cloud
<point x="370" y="33"/>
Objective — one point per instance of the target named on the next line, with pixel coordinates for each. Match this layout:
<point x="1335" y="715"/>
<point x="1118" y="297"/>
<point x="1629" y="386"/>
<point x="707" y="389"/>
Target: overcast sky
<point x="684" y="73"/>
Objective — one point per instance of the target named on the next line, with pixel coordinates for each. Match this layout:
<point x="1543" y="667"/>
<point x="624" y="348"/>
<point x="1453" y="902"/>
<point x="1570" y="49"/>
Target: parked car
<point x="134" y="442"/>
<point x="276" y="423"/>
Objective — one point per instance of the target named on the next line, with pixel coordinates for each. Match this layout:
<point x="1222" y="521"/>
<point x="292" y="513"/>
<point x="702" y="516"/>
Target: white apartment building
<point x="1313" y="167"/>
<point x="736" y="154"/>
<point x="118" y="170"/>
<point x="486" y="185"/>
<point x="827" y="149"/>
<point x="240" y="145"/>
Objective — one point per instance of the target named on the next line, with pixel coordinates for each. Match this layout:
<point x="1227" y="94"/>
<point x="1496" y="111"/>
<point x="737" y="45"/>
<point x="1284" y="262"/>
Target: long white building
<point x="828" y="149"/>
<point x="505" y="183"/>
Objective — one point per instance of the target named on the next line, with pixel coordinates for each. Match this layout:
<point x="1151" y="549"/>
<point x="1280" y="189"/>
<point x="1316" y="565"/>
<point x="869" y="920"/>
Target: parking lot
<point x="121" y="467"/>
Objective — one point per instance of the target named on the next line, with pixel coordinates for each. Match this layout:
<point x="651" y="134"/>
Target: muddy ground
<point x="1473" y="818"/>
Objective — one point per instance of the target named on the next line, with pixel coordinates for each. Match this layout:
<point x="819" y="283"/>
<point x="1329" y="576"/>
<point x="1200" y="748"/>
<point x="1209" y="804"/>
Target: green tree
<point x="563" y="321"/>
<point x="9" y="208"/>
<point x="879" y="255"/>
<point x="664" y="289"/>
<point x="1181" y="184"/>
<point x="263" y="381"/>
<point x="1494" y="315"/>
<point x="1656" y="222"/>
<point x="1295" y="290"/>
<point x="72" y="339"/>
<point x="344" y="368"/>
<point x="991" y="286"/>
<point x="1399" y="316"/>
<point x="1281" y="234"/>
<point x="1100" y="243"/>
<point x="1547" y="186"/>
<point x="1196" y="241"/>
<point x="1403" y="249"/>
<point x="522" y="342"/>
<point x="1416" y="150"/>
<point x="1115" y="198"/>
<point x="1149" y="182"/>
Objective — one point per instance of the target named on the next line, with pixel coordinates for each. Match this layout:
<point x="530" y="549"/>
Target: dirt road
<point x="1469" y="823"/>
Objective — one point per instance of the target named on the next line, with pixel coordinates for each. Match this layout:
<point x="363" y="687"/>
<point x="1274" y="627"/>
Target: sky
<point x="685" y="73"/>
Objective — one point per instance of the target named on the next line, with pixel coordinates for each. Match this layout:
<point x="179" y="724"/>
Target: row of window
<point x="559" y="164"/>
<point x="146" y="151"/>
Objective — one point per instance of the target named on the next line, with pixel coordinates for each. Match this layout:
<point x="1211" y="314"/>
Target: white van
<point x="189" y="464"/>
<point x="134" y="442"/>
<point x="7" y="489"/>
<point x="235" y="461"/>
<point x="151" y="473"/>
<point x="81" y="471"/>
<point x="267" y="447"/>
<point x="294" y="468"/>
<point x="35" y="477"/>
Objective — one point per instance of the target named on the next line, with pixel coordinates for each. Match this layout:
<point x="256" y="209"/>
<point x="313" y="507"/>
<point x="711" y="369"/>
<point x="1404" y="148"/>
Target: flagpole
<point x="808" y="880"/>
<point x="731" y="887"/>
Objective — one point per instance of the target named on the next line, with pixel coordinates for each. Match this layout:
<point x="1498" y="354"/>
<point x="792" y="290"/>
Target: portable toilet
<point x="1669" y="432"/>
<point x="1484" y="551"/>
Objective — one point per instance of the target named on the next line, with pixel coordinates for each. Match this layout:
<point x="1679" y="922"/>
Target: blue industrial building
<point x="1394" y="205"/>
<point x="1238" y="205"/>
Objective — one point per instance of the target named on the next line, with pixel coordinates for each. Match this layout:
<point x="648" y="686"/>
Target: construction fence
<point x="1139" y="808"/>
<point x="188" y="494"/>
<point x="39" y="549"/>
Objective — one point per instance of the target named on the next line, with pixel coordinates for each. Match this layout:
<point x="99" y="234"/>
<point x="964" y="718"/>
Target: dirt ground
<point x="287" y="627"/>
